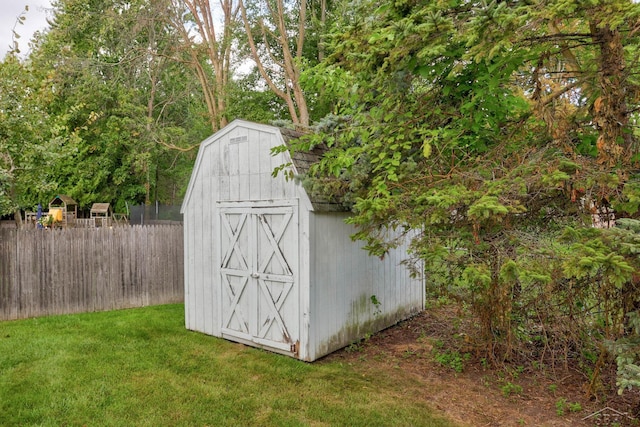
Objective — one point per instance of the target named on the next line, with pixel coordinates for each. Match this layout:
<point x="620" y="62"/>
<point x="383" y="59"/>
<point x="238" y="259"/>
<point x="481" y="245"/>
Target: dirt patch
<point x="473" y="393"/>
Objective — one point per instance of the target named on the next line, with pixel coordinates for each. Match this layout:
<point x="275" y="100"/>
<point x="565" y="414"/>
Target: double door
<point x="259" y="274"/>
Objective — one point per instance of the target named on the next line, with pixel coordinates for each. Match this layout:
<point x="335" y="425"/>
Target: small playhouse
<point x="64" y="210"/>
<point x="101" y="214"/>
<point x="268" y="266"/>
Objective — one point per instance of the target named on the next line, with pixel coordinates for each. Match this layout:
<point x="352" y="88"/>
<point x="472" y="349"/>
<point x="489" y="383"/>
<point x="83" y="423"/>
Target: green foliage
<point x="627" y="352"/>
<point x="562" y="406"/>
<point x="451" y="359"/>
<point x="26" y="148"/>
<point x="377" y="304"/>
<point x="496" y="129"/>
<point x="360" y="345"/>
<point x="510" y="389"/>
<point x="474" y="123"/>
<point x="112" y="119"/>
<point x="248" y="102"/>
<point x="486" y="207"/>
<point x="630" y="200"/>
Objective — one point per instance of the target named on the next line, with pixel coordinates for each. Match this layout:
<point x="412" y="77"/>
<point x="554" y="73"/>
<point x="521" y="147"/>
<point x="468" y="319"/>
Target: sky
<point x="35" y="20"/>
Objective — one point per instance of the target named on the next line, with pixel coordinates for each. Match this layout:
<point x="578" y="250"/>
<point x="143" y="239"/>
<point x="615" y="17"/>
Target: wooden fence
<point x="60" y="271"/>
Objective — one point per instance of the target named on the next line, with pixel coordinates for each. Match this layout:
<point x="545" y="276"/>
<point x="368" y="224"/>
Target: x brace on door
<point x="257" y="269"/>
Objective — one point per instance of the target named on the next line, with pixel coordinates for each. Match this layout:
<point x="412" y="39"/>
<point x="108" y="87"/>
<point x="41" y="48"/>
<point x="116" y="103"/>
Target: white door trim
<point x="256" y="277"/>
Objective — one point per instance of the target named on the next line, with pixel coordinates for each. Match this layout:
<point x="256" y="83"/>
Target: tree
<point x="118" y="104"/>
<point x="251" y="101"/>
<point x="491" y="126"/>
<point x="276" y="32"/>
<point x="209" y="50"/>
<point x="25" y="150"/>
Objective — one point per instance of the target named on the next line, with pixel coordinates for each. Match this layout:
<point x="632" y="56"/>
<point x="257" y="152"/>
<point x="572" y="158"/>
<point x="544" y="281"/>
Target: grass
<point x="141" y="367"/>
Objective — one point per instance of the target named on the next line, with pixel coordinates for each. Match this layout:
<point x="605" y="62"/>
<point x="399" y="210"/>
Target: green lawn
<point x="141" y="367"/>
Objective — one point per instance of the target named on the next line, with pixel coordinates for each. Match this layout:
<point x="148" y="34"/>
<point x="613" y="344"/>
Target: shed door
<point x="259" y="263"/>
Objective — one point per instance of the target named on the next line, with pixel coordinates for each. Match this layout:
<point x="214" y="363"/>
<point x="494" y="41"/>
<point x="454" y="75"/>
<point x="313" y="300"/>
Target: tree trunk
<point x="610" y="108"/>
<point x="218" y="52"/>
<point x="296" y="102"/>
<point x="17" y="216"/>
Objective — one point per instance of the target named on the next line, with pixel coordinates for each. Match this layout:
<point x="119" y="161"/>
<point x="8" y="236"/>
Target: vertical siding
<point x="233" y="159"/>
<point x="305" y="268"/>
<point x="243" y="169"/>
<point x="44" y="272"/>
<point x="264" y="144"/>
<point x="189" y="271"/>
<point x="337" y="278"/>
<point x="254" y="171"/>
<point x="229" y="168"/>
<point x="206" y="311"/>
<point x="345" y="277"/>
<point x="198" y="247"/>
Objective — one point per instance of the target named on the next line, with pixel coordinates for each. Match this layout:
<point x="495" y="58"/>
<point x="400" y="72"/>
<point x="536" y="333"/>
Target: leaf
<point x="374" y="38"/>
<point x="383" y="9"/>
<point x="426" y="149"/>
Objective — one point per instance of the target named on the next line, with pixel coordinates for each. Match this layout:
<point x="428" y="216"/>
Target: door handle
<point x="255" y="275"/>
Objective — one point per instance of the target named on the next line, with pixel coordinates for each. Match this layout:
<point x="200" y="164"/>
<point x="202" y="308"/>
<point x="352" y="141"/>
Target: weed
<point x="358" y="346"/>
<point x="452" y="359"/>
<point x="354" y="347"/>
<point x="408" y="353"/>
<point x="553" y="388"/>
<point x="456" y="323"/>
<point x="509" y="388"/>
<point x="376" y="303"/>
<point x="575" y="407"/>
<point x="515" y="373"/>
<point x="562" y="405"/>
<point x="486" y="381"/>
<point x="443" y="300"/>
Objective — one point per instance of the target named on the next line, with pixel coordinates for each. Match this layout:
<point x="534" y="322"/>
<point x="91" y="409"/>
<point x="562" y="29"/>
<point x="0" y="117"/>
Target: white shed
<point x="267" y="266"/>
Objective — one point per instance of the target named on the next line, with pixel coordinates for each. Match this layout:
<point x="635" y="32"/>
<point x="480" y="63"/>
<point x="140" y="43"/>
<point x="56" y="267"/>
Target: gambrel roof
<point x="269" y="264"/>
<point x="301" y="161"/>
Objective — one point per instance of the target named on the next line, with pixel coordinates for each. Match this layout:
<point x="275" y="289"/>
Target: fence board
<point x="62" y="271"/>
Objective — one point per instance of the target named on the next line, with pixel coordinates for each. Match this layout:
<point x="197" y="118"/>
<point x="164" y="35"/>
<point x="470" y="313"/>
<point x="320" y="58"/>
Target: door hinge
<point x="295" y="348"/>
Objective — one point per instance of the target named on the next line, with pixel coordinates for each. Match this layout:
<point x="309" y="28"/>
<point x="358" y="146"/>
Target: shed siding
<point x="201" y="312"/>
<point x="336" y="277"/>
<point x="244" y="166"/>
<point x="232" y="166"/>
<point x="344" y="279"/>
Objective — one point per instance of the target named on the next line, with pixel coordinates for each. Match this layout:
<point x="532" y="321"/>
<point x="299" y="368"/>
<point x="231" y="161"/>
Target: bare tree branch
<point x="291" y="92"/>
